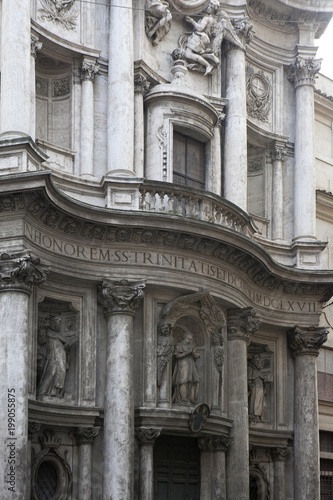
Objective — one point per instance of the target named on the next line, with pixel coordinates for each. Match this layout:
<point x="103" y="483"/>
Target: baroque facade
<point x="166" y="262"/>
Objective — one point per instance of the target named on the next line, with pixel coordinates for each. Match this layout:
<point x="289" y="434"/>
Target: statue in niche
<point x="202" y="47"/>
<point x="53" y="357"/>
<point x="185" y="379"/>
<point x="257" y="381"/>
<point x="158" y="20"/>
<point x="164" y="348"/>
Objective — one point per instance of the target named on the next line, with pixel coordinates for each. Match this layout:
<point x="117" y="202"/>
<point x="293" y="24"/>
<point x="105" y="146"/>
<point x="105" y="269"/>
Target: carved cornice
<point x="20" y="272"/>
<point x="85" y="435"/>
<point x="36" y="208"/>
<point x="280" y="454"/>
<point x="147" y="435"/>
<point x="88" y="70"/>
<point x="303" y="71"/>
<point x="121" y="297"/>
<point x="219" y="443"/>
<point x="242" y="323"/>
<point x="306" y="340"/>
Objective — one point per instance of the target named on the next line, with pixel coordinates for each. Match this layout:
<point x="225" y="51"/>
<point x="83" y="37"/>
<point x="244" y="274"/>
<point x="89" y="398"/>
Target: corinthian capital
<point x="20" y="272"/>
<point x="303" y="71"/>
<point x="88" y="70"/>
<point x="84" y="435"/>
<point x="214" y="443"/>
<point x="120" y="297"/>
<point x="306" y="340"/>
<point x="147" y="435"/>
<point x="278" y="153"/>
<point x="242" y="323"/>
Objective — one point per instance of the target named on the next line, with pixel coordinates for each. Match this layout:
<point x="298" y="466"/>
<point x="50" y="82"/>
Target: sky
<point x="325" y="51"/>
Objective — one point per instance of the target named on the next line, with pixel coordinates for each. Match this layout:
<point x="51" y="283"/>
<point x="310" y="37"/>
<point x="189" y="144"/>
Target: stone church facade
<point x="166" y="264"/>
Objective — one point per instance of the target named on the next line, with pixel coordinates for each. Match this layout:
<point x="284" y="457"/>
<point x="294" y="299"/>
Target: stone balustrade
<point x="192" y="203"/>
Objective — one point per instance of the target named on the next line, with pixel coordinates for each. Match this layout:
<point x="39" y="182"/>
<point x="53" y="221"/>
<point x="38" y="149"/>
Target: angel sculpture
<point x="203" y="46"/>
<point x="164" y="349"/>
<point x="158" y="20"/>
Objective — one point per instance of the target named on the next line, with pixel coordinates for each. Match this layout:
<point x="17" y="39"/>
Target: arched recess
<point x="200" y="315"/>
<point x="259" y="484"/>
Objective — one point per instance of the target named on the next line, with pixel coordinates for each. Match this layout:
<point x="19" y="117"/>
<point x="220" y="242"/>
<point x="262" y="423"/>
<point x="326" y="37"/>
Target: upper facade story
<point x="194" y="108"/>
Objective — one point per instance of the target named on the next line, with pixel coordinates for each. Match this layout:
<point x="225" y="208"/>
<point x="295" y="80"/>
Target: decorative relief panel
<point x="259" y="95"/>
<point x="61" y="12"/>
<point x="61" y="87"/>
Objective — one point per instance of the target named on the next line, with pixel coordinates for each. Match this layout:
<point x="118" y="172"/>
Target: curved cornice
<point x="38" y="200"/>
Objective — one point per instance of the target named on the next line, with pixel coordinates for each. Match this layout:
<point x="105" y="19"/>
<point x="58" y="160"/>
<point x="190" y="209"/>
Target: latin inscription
<point x="165" y="261"/>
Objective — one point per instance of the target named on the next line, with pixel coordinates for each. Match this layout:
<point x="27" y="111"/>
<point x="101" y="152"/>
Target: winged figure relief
<point x="62" y="12"/>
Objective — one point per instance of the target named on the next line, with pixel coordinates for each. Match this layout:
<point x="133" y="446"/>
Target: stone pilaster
<point x="15" y="108"/>
<point x="121" y="90"/>
<point x="277" y="156"/>
<point x="147" y="437"/>
<point x="18" y="274"/>
<point x="304" y="344"/>
<point x="280" y="455"/>
<point x="241" y="325"/>
<point x="36" y="46"/>
<point x="88" y="70"/>
<point x="235" y="142"/>
<point x="213" y="473"/>
<point x="120" y="301"/>
<point x="141" y="86"/>
<point x="84" y="437"/>
<point x="302" y="75"/>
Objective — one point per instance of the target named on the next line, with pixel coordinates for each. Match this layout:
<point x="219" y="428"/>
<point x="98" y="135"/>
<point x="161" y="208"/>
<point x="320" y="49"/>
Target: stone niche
<point x="190" y="353"/>
<point x="57" y="351"/>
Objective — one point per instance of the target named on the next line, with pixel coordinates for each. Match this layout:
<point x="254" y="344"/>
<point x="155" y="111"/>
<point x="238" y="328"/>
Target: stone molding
<point x="306" y="341"/>
<point x="85" y="435"/>
<point x="241" y="323"/>
<point x="280" y="454"/>
<point x="120" y="297"/>
<point x="20" y="272"/>
<point x="214" y="443"/>
<point x="88" y="70"/>
<point x="147" y="435"/>
<point x="303" y="71"/>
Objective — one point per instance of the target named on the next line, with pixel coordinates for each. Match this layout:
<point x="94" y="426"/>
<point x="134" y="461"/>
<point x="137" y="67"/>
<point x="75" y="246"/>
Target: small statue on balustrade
<point x="185" y="379"/>
<point x="53" y="357"/>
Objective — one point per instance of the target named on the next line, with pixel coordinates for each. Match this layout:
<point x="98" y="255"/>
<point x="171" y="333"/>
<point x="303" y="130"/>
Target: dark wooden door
<point x="176" y="468"/>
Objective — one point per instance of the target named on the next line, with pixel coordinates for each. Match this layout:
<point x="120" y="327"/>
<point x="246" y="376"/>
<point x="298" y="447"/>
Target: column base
<point x="307" y="254"/>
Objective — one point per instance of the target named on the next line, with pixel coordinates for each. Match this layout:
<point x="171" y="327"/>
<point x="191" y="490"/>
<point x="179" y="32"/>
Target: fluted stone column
<point x="280" y="455"/>
<point x="302" y="75"/>
<point x="120" y="301"/>
<point x="147" y="437"/>
<point x="277" y="155"/>
<point x="18" y="273"/>
<point x="88" y="71"/>
<point x="84" y="437"/>
<point x="15" y="107"/>
<point x="304" y="344"/>
<point x="141" y="86"/>
<point x="235" y="140"/>
<point x="121" y="89"/>
<point x="213" y="472"/>
<point x="241" y="324"/>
